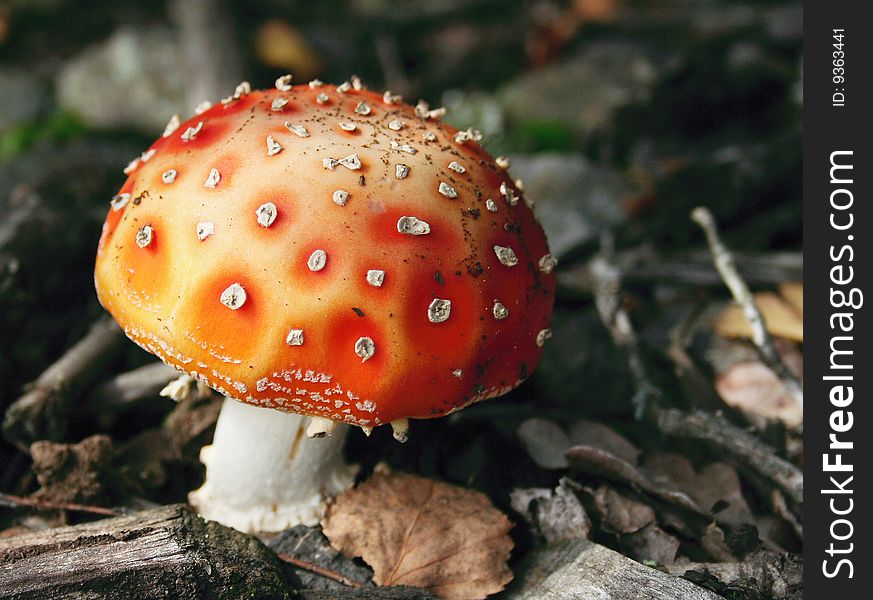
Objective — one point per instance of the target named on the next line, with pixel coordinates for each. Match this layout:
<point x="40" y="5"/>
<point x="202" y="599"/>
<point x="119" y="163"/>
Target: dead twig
<point x="13" y="501"/>
<point x="752" y="454"/>
<point x="695" y="384"/>
<point x="615" y="469"/>
<point x="40" y="413"/>
<point x="727" y="268"/>
<point x="130" y="388"/>
<point x="643" y="266"/>
<point x="607" y="287"/>
<point x="313" y="568"/>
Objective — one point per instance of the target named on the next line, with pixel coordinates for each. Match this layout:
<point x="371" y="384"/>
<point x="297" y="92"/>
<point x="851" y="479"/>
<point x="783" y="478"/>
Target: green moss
<point x="58" y="127"/>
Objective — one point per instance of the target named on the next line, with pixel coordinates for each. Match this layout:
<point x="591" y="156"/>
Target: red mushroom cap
<point x="329" y="251"/>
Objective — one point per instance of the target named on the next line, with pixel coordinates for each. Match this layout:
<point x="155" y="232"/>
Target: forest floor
<point x="656" y="442"/>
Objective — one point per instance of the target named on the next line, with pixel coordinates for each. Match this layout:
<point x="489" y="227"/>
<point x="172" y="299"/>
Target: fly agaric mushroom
<point x="331" y="254"/>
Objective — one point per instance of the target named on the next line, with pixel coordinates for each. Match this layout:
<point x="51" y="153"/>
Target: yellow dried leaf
<point x="781" y="317"/>
<point x="281" y="46"/>
<point x="793" y="294"/>
<point x="424" y="533"/>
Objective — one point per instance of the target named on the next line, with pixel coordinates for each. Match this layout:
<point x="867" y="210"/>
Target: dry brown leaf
<point x="781" y="315"/>
<point x="715" y="484"/>
<point x="424" y="533"/>
<point x="620" y="513"/>
<point x="652" y="543"/>
<point x="594" y="433"/>
<point x="756" y="390"/>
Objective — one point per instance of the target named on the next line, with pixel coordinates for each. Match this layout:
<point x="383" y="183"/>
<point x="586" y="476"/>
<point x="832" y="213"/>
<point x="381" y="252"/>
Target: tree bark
<point x="168" y="552"/>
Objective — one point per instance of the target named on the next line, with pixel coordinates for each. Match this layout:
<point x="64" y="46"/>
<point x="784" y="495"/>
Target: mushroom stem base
<point x="263" y="474"/>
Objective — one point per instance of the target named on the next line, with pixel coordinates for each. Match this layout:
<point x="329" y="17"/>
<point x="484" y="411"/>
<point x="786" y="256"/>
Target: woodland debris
<point x="545" y="442"/>
<point x="129" y="388"/>
<point x="75" y="473"/>
<point x="557" y="514"/>
<point x="595" y="433"/>
<point x="716" y="488"/>
<point x="607" y="296"/>
<point x="782" y="319"/>
<point x="12" y="501"/>
<point x="620" y="513"/>
<point x="725" y="438"/>
<point x="792" y="293"/>
<point x="422" y="532"/>
<point x="641" y="266"/>
<point x="726" y="266"/>
<point x="754" y="389"/>
<point x="752" y="454"/>
<point x="399" y="592"/>
<point x="159" y="553"/>
<point x="600" y="462"/>
<point x="763" y="574"/>
<point x="583" y="569"/>
<point x="41" y="413"/>
<point x="309" y="544"/>
<point x="693" y="267"/>
<point x="652" y="544"/>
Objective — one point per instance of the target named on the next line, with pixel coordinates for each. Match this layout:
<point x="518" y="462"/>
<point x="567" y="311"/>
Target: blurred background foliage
<point x="620" y="116"/>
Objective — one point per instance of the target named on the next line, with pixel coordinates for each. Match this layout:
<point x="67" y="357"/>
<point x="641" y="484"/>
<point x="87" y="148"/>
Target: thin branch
<point x="130" y="388"/>
<point x="752" y="454"/>
<point x="19" y="501"/>
<point x="643" y="266"/>
<point x="607" y="287"/>
<point x="40" y="414"/>
<point x="318" y="570"/>
<point x="727" y="268"/>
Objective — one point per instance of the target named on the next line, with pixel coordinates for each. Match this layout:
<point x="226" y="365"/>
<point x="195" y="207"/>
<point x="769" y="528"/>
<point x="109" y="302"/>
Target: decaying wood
<point x="40" y="414"/>
<point x="168" y="552"/>
<point x="768" y="574"/>
<point x="583" y="569"/>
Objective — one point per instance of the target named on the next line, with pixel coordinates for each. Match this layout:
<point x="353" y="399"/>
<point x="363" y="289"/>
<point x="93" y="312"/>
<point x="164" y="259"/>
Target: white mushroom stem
<point x="263" y="474"/>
